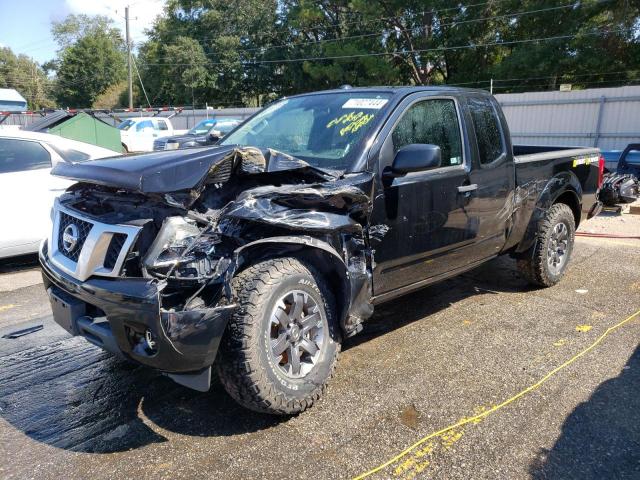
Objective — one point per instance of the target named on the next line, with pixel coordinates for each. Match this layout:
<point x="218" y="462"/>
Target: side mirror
<point x="416" y="157"/>
<point x="215" y="135"/>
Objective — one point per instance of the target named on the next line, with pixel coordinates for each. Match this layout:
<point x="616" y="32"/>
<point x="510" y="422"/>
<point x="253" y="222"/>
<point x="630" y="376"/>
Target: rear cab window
<point x="18" y="155"/>
<point x="487" y="128"/>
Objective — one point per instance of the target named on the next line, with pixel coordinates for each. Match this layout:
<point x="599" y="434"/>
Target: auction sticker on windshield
<point x="371" y="103"/>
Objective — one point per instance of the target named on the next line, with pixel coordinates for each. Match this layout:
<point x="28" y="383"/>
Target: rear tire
<point x="282" y="344"/>
<point x="546" y="261"/>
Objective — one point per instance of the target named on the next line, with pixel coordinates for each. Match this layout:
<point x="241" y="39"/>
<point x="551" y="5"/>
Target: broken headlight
<point x="179" y="251"/>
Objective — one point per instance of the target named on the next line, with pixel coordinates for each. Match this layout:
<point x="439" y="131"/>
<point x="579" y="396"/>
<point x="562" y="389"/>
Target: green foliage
<point x="250" y="52"/>
<point x="75" y="27"/>
<point x="92" y="58"/>
<point x="257" y="50"/>
<point x="27" y="77"/>
<point x="114" y="96"/>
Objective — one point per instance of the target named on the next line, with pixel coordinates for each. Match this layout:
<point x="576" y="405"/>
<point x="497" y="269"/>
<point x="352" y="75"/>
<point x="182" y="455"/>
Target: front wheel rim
<point x="558" y="248"/>
<point x="297" y="333"/>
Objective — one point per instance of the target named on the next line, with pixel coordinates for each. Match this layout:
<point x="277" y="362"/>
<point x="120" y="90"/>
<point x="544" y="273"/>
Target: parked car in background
<point x="27" y="190"/>
<point x="138" y="134"/>
<point x="207" y="132"/>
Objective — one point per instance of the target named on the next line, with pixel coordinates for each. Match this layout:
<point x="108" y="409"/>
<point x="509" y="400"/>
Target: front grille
<point x="83" y="230"/>
<point x="159" y="144"/>
<point x="113" y="252"/>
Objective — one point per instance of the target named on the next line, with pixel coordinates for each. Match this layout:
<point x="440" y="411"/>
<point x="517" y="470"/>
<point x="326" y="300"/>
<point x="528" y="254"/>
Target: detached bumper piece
<point x="124" y="316"/>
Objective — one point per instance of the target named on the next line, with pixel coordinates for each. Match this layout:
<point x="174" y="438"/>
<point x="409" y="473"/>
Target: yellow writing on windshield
<point x="352" y="122"/>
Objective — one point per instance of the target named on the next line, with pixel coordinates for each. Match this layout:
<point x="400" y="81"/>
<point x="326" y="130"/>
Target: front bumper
<point x="116" y="313"/>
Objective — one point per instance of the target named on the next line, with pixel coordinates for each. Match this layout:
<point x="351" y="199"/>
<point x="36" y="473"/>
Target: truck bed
<point x="536" y="167"/>
<point x="541" y="163"/>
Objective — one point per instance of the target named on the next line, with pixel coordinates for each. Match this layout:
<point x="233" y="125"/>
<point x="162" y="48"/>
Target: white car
<point x="138" y="134"/>
<point x="27" y="190"/>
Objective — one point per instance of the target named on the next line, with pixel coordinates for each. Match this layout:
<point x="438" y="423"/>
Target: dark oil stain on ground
<point x="410" y="417"/>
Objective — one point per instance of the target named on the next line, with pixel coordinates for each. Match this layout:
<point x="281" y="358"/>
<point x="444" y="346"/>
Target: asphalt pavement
<point x="426" y="361"/>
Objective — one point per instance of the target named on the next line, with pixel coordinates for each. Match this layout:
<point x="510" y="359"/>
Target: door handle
<point x="467" y="188"/>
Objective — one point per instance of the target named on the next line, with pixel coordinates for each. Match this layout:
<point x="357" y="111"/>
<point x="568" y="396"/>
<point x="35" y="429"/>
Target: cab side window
<point x="487" y="127"/>
<point x="144" y="124"/>
<point x="431" y="122"/>
<point x="22" y="155"/>
<point x="162" y="125"/>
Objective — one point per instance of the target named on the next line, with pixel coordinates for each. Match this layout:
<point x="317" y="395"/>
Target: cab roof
<point x="399" y="90"/>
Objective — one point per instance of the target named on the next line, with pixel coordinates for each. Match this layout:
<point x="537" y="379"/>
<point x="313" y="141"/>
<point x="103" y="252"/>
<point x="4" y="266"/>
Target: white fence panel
<point x="608" y="118"/>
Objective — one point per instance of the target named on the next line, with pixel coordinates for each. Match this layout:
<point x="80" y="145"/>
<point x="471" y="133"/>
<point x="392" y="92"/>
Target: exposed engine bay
<point x="233" y="204"/>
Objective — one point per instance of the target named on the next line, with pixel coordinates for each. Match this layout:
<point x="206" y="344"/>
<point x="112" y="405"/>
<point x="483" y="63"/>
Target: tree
<point x="91" y="59"/>
<point x="27" y="77"/>
<point x="75" y="27"/>
<point x="256" y="50"/>
<point x="202" y="50"/>
<point x="179" y="80"/>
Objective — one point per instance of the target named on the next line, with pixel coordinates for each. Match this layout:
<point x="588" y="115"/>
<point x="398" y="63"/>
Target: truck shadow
<point x="601" y="437"/>
<point x="497" y="276"/>
<point x="73" y="396"/>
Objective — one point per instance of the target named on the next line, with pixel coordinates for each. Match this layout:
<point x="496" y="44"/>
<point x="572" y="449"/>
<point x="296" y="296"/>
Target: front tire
<point x="281" y="346"/>
<point x="546" y="261"/>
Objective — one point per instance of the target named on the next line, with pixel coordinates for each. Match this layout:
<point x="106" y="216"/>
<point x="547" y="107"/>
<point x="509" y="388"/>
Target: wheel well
<point x="570" y="199"/>
<point x="324" y="262"/>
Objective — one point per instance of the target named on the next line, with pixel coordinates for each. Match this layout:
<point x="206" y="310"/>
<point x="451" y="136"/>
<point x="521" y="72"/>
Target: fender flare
<point x="349" y="296"/>
<point x="558" y="185"/>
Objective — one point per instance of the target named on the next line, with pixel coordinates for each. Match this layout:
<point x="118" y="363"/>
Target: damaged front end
<point x="151" y="243"/>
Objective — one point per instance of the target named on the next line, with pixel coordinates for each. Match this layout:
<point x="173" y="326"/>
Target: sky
<point x="25" y="25"/>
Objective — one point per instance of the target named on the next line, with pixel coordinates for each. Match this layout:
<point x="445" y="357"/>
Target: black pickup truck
<point x="258" y="256"/>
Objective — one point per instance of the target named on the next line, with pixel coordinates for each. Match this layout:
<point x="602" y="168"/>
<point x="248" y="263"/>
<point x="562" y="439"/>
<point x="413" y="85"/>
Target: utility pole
<point x="129" y="78"/>
<point x="491" y="87"/>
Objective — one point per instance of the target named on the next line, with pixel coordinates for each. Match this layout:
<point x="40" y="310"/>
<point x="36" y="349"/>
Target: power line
<point x="141" y="84"/>
<point x="459" y="7"/>
<point x="397" y="52"/>
<point x="398" y="31"/>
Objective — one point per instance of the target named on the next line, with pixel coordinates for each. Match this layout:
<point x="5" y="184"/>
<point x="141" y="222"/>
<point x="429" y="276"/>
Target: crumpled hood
<point x="180" y="170"/>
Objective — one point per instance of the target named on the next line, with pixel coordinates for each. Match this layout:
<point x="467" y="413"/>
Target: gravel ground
<point x="424" y="362"/>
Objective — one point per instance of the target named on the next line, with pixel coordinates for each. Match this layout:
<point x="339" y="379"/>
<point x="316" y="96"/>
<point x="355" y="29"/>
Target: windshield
<point x="203" y="127"/>
<point x="324" y="130"/>
<point x="221" y="124"/>
<point x="225" y="126"/>
<point x="126" y="125"/>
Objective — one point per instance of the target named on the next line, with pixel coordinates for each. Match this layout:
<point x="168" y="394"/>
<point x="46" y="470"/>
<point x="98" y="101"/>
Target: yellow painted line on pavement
<point x="7" y="307"/>
<point x="486" y="413"/>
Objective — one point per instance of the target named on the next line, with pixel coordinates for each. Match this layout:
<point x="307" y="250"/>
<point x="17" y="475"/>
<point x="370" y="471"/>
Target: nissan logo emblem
<point x="70" y="238"/>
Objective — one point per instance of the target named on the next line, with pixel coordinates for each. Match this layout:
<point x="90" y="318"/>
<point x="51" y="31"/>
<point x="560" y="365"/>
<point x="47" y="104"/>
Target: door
<point x="25" y="197"/>
<point x="146" y="133"/>
<point x="426" y="212"/>
<point x="162" y="129"/>
<point x="494" y="174"/>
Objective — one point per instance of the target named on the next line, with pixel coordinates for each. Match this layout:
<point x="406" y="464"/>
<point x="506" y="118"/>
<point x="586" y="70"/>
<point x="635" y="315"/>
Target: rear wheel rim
<point x="557" y="248"/>
<point x="297" y="333"/>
